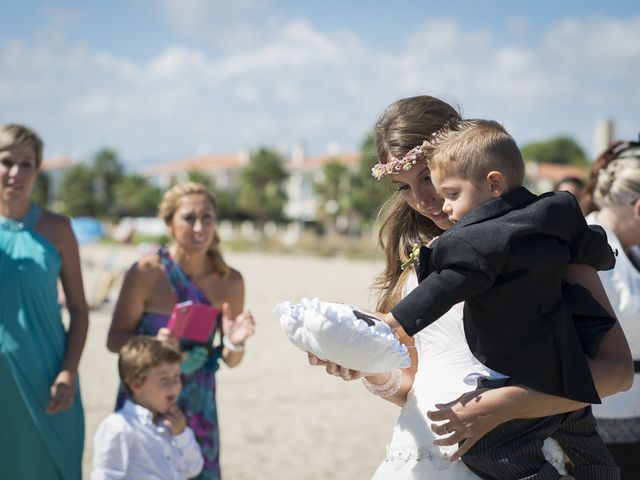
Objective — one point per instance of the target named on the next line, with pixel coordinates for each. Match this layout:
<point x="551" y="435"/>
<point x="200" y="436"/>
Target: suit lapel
<point x="423" y="263"/>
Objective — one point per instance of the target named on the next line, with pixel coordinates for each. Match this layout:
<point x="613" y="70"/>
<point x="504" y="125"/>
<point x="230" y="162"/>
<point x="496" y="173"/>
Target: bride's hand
<point x="468" y="418"/>
<point x="335" y="369"/>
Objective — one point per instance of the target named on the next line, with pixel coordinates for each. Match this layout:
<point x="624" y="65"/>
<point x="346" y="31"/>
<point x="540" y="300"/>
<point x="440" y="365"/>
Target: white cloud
<point x="175" y="61"/>
<point x="223" y="24"/>
<point x="303" y="84"/>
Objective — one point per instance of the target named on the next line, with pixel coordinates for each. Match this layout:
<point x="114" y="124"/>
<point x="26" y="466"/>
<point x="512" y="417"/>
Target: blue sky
<point x="163" y="79"/>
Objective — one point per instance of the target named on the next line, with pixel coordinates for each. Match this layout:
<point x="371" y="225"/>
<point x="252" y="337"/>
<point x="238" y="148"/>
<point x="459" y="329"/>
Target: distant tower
<point x="244" y="155"/>
<point x="603" y="135"/>
<point x="298" y="153"/>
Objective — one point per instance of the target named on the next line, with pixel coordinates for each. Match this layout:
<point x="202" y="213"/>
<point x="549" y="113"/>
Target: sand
<point x="279" y="417"/>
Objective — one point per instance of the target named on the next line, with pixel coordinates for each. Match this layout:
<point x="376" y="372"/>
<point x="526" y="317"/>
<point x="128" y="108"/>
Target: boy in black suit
<point x="505" y="256"/>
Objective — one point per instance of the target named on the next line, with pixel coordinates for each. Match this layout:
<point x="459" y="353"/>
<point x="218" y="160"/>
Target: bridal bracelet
<point x="230" y="346"/>
<point x="386" y="389"/>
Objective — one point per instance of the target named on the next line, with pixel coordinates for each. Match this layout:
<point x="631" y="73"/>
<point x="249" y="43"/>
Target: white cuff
<point x="230" y="346"/>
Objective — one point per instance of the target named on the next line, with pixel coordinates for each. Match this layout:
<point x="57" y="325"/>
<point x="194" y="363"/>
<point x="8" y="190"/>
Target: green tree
<point x="135" y="196"/>
<point x="227" y="204"/>
<point x="563" y="150"/>
<point x="367" y="194"/>
<point x="77" y="193"/>
<point x="261" y="194"/>
<point x="108" y="171"/>
<point x="40" y="194"/>
<point x="199" y="176"/>
<point x="332" y="192"/>
<point x="226" y="200"/>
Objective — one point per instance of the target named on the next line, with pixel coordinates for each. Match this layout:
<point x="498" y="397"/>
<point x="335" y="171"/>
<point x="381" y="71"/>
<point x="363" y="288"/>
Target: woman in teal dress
<point x="192" y="268"/>
<point x="42" y="426"/>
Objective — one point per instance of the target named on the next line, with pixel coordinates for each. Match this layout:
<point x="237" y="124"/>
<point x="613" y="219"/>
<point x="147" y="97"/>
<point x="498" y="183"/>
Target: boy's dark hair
<point x="140" y="354"/>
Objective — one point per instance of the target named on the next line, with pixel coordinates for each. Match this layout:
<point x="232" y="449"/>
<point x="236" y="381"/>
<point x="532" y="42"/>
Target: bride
<point x="424" y="444"/>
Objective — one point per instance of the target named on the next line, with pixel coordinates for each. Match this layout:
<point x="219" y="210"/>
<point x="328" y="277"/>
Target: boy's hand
<point x="389" y="319"/>
<point x="174" y="420"/>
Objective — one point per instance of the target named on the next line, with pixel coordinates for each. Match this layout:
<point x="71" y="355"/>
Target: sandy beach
<point x="279" y="417"/>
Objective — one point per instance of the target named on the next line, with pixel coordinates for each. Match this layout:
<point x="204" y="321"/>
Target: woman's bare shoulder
<point x="57" y="229"/>
<point x="234" y="277"/>
<point x="54" y="222"/>
<point x="147" y="266"/>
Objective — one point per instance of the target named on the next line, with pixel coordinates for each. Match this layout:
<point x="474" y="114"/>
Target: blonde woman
<point x="42" y="432"/>
<point x="617" y="195"/>
<point x="191" y="268"/>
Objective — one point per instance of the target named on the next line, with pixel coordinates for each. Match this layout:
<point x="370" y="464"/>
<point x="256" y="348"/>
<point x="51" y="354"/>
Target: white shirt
<point x="622" y="285"/>
<point x="129" y="445"/>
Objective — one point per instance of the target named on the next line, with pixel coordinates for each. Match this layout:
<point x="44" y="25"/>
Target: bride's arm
<point x="407" y="375"/>
<point x="475" y="413"/>
<point x="612" y="369"/>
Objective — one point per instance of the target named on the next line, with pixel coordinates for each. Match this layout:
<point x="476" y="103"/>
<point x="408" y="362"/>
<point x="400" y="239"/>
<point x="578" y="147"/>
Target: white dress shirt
<point x="129" y="445"/>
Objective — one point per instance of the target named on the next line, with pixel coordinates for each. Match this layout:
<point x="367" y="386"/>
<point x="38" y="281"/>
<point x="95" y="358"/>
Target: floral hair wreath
<point x="409" y="159"/>
<point x="396" y="165"/>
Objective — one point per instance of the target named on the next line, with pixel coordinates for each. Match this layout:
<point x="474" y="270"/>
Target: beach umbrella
<point x="87" y="229"/>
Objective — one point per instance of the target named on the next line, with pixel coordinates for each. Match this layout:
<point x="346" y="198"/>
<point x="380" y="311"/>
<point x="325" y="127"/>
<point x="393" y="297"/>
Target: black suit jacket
<point x="505" y="259"/>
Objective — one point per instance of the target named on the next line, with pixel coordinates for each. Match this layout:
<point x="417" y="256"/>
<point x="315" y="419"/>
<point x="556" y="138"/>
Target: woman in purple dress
<point x="192" y="268"/>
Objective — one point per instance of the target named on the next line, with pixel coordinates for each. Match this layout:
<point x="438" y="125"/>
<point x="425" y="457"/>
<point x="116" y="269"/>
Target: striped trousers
<point x="513" y="450"/>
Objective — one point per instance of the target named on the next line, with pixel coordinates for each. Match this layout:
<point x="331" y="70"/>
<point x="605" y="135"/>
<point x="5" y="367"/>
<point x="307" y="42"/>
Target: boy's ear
<point x="497" y="183"/>
<point x="636" y="209"/>
<point x="134" y="386"/>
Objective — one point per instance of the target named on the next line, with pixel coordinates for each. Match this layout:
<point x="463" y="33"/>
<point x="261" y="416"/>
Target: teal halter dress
<point x="33" y="443"/>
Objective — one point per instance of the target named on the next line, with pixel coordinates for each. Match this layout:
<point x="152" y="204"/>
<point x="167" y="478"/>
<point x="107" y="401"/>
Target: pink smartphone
<point x="193" y="321"/>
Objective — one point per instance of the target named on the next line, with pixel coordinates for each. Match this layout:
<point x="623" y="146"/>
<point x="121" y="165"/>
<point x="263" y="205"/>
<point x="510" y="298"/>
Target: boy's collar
<point x="143" y="414"/>
<point x="511" y="200"/>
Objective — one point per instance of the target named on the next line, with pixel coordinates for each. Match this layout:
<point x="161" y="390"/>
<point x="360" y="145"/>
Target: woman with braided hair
<point x="616" y="195"/>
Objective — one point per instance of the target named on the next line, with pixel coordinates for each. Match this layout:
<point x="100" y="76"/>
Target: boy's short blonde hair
<point x="139" y="355"/>
<point x="473" y="148"/>
<point x="14" y="135"/>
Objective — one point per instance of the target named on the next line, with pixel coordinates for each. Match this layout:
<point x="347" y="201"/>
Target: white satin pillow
<point x="342" y="334"/>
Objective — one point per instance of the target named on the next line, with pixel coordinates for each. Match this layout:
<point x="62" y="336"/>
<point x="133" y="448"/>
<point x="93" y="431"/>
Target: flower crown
<point x="396" y="165"/>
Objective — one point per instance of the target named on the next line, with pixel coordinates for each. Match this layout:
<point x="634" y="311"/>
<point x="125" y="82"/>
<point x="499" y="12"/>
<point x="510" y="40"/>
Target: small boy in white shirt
<point x="148" y="437"/>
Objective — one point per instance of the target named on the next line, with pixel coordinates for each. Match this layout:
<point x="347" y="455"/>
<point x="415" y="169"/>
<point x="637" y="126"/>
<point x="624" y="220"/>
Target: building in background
<point x="225" y="170"/>
<point x="55" y="168"/>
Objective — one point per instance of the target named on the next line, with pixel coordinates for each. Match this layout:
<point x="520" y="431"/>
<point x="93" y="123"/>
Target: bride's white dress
<point x="444" y="362"/>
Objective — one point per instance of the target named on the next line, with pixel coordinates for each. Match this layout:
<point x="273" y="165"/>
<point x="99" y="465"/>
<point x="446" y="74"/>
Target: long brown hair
<point x="404" y="125"/>
<point x="169" y="205"/>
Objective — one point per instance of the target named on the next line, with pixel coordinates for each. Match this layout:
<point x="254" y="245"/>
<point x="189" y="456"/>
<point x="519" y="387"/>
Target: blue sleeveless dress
<point x="33" y="443"/>
<point x="198" y="397"/>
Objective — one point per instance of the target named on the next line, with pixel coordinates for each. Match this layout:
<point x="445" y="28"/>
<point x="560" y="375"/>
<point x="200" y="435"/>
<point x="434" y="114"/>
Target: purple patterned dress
<point x="198" y="397"/>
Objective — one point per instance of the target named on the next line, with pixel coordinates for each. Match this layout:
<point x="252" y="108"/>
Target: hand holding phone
<point x="193" y="321"/>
